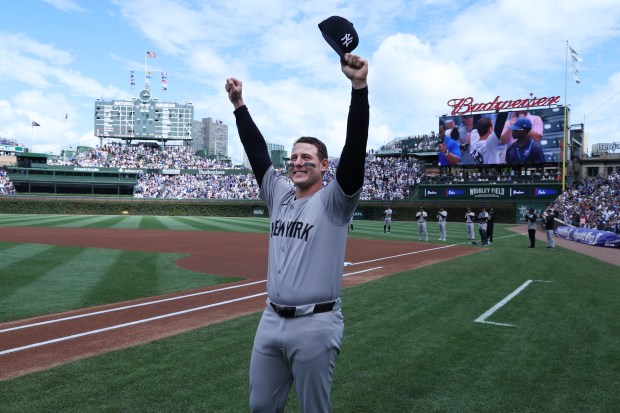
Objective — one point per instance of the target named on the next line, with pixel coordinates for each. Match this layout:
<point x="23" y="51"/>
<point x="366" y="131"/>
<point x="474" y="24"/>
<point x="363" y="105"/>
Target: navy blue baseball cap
<point x="522" y="124"/>
<point x="339" y="34"/>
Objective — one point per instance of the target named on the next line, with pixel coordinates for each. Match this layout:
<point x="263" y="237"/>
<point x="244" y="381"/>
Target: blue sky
<point x="58" y="56"/>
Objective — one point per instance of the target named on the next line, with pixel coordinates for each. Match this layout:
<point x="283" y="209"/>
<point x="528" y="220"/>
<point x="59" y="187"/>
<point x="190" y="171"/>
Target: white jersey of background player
<point x="485" y="144"/>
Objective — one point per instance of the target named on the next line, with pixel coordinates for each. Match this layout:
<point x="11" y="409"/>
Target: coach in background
<point x="530" y="218"/>
<point x="421" y="216"/>
<point x="470" y="218"/>
<point x="548" y="220"/>
<point x="442" y="215"/>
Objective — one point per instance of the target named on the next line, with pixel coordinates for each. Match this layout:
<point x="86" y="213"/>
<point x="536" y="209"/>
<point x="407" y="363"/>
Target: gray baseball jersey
<point x="387" y="220"/>
<point x="316" y="223"/>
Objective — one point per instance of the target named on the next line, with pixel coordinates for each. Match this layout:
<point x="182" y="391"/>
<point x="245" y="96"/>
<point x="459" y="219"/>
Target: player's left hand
<point x="356" y="69"/>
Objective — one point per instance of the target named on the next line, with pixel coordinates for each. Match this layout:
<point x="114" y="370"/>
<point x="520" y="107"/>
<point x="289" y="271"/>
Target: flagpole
<point x="145" y="74"/>
<point x="565" y="116"/>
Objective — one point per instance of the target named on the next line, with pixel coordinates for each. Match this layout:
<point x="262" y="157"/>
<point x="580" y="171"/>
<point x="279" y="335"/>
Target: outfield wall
<point x="86" y="205"/>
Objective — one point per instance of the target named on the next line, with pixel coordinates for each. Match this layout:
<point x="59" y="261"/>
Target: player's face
<point x="303" y="174"/>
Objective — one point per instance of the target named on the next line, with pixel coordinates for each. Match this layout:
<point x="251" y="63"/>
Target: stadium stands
<point x="595" y="204"/>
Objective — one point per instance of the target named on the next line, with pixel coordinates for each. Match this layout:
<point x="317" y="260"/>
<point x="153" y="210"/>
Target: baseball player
<point x="548" y="220"/>
<point x="301" y="329"/>
<point x="470" y="218"/>
<point x="483" y="218"/>
<point x="442" y="215"/>
<point x="530" y="218"/>
<point x="421" y="216"/>
<point x="387" y="219"/>
<point x="490" y="226"/>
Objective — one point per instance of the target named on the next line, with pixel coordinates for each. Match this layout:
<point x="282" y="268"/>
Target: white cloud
<point x="66" y="5"/>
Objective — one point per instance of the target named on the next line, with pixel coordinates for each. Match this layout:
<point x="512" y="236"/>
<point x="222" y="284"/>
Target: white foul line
<point x="404" y="254"/>
<point x="489" y="312"/>
<point x="115" y="327"/>
<point x="127" y="307"/>
<point x="146" y="320"/>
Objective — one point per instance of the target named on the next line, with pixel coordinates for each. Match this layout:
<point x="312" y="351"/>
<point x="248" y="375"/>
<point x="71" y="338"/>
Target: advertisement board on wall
<point x="504" y="192"/>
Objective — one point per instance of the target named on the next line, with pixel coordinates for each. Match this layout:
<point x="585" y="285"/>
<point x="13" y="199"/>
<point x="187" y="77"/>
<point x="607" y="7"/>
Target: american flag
<point x="152" y="55"/>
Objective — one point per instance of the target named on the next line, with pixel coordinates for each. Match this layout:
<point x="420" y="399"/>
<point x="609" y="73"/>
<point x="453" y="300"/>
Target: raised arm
<point x="252" y="140"/>
<point x="350" y="172"/>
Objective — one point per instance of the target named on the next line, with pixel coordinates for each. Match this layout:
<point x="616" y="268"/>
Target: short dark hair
<point x="483" y="126"/>
<point x="321" y="149"/>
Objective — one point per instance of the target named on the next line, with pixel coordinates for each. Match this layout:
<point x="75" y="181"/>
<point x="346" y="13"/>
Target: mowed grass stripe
<point x="129" y="222"/>
<point x="28" y="274"/>
<point x="173" y="223"/>
<point x="42" y="279"/>
<point x="76" y="274"/>
<point x="41" y="220"/>
<point x="226" y="224"/>
<point x="92" y="221"/>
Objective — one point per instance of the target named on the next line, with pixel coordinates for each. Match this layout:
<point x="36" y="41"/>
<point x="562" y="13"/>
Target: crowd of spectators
<point x="595" y="204"/>
<point x="390" y="178"/>
<point x="6" y="186"/>
<point x="186" y="186"/>
<point x="386" y="178"/>
<point x="411" y="144"/>
<point x="117" y="155"/>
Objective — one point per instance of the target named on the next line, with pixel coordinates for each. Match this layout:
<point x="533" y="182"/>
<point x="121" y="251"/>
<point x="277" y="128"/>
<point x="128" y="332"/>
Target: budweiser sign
<point x="467" y="105"/>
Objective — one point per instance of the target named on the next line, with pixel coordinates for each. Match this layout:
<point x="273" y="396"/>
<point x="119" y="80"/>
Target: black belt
<point x="289" y="312"/>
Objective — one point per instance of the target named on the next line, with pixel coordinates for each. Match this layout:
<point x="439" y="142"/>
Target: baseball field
<point x="158" y="314"/>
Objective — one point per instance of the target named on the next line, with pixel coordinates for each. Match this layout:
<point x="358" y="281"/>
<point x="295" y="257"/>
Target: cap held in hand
<point x="340" y="34"/>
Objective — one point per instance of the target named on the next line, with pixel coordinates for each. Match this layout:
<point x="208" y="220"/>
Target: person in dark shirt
<point x="524" y="149"/>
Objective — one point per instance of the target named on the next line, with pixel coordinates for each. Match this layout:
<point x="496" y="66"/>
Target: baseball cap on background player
<point x="339" y="34"/>
<point x="521" y="124"/>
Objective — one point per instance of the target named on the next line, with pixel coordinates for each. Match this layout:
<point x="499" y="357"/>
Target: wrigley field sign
<point x="505" y="192"/>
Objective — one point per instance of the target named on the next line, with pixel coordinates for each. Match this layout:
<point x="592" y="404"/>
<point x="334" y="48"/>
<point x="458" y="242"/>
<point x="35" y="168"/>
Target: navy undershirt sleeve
<point x="350" y="172"/>
<point x="253" y="142"/>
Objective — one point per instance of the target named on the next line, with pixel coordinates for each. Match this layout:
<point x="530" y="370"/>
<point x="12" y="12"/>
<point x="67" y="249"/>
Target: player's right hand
<point x="234" y="88"/>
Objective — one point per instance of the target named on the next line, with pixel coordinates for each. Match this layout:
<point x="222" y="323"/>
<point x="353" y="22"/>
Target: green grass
<point x="411" y="343"/>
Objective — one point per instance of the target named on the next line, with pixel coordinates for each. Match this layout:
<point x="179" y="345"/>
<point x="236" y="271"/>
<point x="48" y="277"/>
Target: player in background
<point x="490" y="225"/>
<point x="387" y="219"/>
<point x="421" y="216"/>
<point x="483" y="217"/>
<point x="548" y="220"/>
<point x="530" y="218"/>
<point x="300" y="332"/>
<point x="442" y="216"/>
<point x="470" y="218"/>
